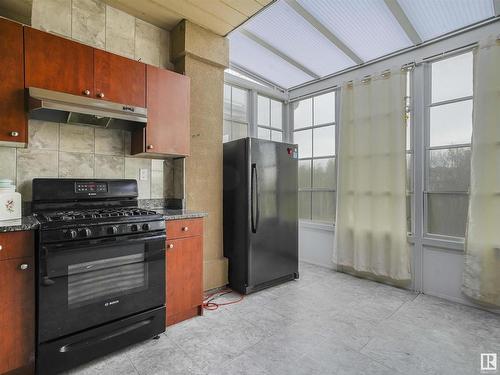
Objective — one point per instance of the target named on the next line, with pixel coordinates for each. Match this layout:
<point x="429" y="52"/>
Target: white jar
<point x="10" y="203"/>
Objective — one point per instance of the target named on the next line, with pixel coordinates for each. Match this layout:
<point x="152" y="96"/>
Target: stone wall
<point x="94" y="23"/>
<point x="203" y="56"/>
<point x="61" y="150"/>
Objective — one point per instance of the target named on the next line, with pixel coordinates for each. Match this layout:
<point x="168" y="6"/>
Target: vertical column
<point x="203" y="56"/>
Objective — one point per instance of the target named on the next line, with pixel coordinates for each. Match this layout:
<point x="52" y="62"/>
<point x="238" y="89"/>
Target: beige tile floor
<point x="324" y="323"/>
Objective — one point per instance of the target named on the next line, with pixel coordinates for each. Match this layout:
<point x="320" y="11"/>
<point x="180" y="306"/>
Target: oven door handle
<point x="72" y="246"/>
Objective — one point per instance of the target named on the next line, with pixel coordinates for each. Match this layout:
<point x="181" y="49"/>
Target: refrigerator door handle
<point x="254" y="199"/>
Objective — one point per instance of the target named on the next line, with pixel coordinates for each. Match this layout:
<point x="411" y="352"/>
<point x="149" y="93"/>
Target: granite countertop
<point x="31" y="223"/>
<point x="24" y="223"/>
<point x="170" y="214"/>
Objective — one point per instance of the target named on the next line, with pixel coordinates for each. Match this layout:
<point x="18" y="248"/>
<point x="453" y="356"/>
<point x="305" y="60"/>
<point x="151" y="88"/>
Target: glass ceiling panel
<point x="366" y="26"/>
<point x="432" y="18"/>
<point x="256" y="59"/>
<point x="281" y="27"/>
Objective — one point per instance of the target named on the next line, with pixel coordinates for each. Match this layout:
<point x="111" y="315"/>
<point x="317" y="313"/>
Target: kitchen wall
<point x="94" y="23"/>
<point x="62" y="150"/>
<point x="203" y="56"/>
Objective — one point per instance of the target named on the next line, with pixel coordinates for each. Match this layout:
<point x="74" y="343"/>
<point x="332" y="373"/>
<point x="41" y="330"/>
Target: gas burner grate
<point x="95" y="214"/>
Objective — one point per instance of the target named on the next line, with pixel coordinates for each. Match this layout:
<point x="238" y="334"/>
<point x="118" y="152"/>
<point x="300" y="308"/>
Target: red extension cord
<point x="209" y="299"/>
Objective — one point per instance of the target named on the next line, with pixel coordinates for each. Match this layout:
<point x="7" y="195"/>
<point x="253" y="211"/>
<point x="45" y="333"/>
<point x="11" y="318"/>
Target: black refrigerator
<point x="260" y="213"/>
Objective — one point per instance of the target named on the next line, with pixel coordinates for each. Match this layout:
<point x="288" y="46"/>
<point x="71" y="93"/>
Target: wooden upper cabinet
<point x="119" y="79"/>
<point x="167" y="130"/>
<point x="58" y="64"/>
<point x="13" y="125"/>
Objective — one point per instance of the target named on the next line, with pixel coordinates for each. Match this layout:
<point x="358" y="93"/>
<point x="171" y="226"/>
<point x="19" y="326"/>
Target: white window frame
<point x="335" y="123"/>
<point x="255" y="89"/>
<point x="453" y="242"/>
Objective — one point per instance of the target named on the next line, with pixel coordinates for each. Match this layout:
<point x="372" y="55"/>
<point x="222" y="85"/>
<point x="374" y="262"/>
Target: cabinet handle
<point x="185" y="229"/>
<point x="100" y="95"/>
<point x="170" y="246"/>
<point x="23" y="267"/>
<point x="14" y="134"/>
<point x="150" y="147"/>
<point x="86" y="92"/>
<point x="1" y="247"/>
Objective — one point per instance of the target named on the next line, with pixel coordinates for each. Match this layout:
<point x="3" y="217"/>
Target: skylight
<point x="293" y="42"/>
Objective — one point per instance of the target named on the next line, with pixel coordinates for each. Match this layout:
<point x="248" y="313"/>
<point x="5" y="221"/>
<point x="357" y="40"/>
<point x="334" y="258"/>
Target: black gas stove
<point x="101" y="270"/>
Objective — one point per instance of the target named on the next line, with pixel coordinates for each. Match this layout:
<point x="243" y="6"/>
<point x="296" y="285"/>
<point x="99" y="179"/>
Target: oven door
<point x="83" y="284"/>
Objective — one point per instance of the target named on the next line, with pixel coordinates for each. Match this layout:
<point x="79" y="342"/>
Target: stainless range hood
<point x="73" y="109"/>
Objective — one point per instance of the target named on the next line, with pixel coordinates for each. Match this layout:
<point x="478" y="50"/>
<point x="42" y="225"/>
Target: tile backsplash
<point x="62" y="150"/>
<point x="99" y="25"/>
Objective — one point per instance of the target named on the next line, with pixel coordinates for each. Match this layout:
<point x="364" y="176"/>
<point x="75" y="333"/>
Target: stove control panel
<point x="91" y="187"/>
<point x="101" y="230"/>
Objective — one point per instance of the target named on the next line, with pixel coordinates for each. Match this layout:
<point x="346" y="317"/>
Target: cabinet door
<point x="167" y="130"/>
<point x="184" y="278"/>
<point x="119" y="79"/>
<point x="58" y="64"/>
<point x="13" y="126"/>
<point x="17" y="314"/>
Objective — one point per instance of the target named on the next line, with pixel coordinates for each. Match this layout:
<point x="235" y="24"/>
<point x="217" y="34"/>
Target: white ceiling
<point x="292" y="42"/>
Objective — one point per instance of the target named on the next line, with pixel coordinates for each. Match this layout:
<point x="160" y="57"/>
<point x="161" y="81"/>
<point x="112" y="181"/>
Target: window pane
<point x="276" y="136"/>
<point x="408" y="135"/>
<point x="323" y="206"/>
<point x="324" y="108"/>
<point x="304" y="174"/>
<point x="302" y="114"/>
<point x="263" y="133"/>
<point x="227" y="101"/>
<point x="447" y="214"/>
<point x="324" y="173"/>
<point x="409" y="198"/>
<point x="239" y="130"/>
<point x="262" y="110"/>
<point x="324" y="141"/>
<point x="451" y="124"/>
<point x="226" y="131"/>
<point x="449" y="170"/>
<point x="452" y="78"/>
<point x="304" y="205"/>
<point x="276" y="114"/>
<point x="304" y="139"/>
<point x="239" y="104"/>
<point x="409" y="172"/>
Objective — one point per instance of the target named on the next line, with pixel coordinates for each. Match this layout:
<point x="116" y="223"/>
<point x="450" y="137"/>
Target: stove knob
<point x="85" y="232"/>
<point x="113" y="230"/>
<point x="71" y="233"/>
<point x="134" y="228"/>
<point x="145" y="226"/>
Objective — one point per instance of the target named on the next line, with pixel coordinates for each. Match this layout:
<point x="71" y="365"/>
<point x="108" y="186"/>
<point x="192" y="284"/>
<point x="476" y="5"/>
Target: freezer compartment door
<point x="273" y="228"/>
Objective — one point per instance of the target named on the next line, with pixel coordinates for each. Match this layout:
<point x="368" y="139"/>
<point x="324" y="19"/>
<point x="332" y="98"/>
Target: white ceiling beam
<point x="256" y="76"/>
<point x="403" y="20"/>
<point x="278" y="53"/>
<point x="496" y="6"/>
<point x="323" y="30"/>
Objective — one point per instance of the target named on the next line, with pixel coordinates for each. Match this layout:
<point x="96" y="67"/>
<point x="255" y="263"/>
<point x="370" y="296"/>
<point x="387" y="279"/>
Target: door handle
<point x="254" y="198"/>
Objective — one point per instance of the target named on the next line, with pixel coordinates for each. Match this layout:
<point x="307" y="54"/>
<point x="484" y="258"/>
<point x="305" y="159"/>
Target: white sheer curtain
<point x="370" y="234"/>
<point x="482" y="254"/>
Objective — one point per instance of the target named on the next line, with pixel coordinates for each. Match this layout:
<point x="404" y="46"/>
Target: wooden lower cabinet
<point x="17" y="307"/>
<point x="184" y="273"/>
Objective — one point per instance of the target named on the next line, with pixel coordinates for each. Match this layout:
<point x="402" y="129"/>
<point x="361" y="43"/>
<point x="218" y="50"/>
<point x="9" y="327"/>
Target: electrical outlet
<point x="143" y="174"/>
